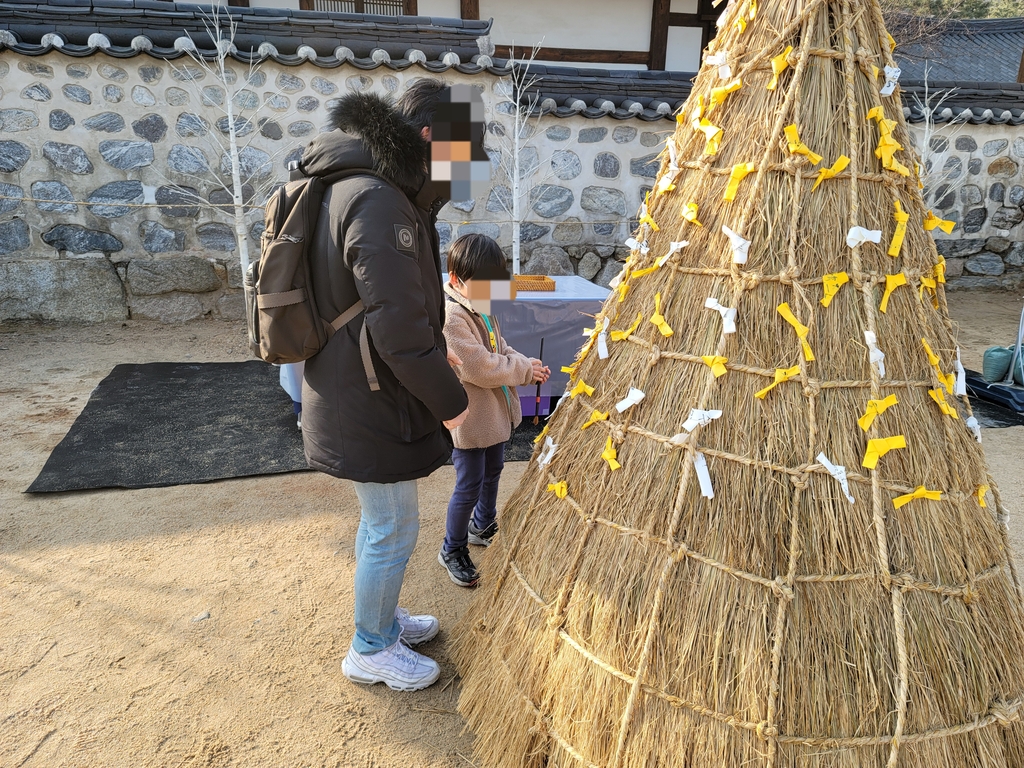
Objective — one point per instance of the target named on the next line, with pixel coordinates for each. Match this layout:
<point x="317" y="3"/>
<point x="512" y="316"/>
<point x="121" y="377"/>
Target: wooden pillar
<point x="659" y="34"/>
<point x="470" y="9"/>
<point x="410" y="8"/>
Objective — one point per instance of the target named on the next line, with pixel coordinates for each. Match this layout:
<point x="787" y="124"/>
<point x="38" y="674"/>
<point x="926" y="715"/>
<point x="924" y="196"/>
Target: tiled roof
<point x="126" y="28"/>
<point x="984" y="50"/>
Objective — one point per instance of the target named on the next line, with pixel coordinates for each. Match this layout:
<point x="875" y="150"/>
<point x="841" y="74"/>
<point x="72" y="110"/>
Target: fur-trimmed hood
<point x="367" y="131"/>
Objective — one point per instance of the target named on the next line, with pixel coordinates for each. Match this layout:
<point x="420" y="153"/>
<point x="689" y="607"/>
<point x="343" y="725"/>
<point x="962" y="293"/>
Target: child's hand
<point x="541" y="373"/>
<point x="453" y="359"/>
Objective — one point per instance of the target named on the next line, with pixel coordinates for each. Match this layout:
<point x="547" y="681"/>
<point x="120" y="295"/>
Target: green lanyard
<point x="494" y="348"/>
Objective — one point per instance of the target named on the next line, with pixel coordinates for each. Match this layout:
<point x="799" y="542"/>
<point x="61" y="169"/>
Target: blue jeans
<point x="477" y="472"/>
<point x="388" y="527"/>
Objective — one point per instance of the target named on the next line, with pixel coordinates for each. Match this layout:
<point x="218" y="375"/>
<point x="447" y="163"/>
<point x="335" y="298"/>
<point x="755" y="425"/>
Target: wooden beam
<point x="410" y="8"/>
<point x="304" y="5"/>
<point x="659" y="34"/>
<point x="1020" y="72"/>
<point x="239" y="3"/>
<point x="581" y="55"/>
<point x="470" y="9"/>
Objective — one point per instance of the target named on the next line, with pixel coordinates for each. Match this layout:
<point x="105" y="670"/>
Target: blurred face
<point x="491" y="284"/>
<point x="456" y="137"/>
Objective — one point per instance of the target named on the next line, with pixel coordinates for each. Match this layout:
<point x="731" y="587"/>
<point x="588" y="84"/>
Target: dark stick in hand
<point x="536" y="410"/>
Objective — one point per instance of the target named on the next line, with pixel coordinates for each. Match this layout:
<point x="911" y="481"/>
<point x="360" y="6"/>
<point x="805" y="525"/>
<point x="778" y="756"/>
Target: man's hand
<point x="457" y="421"/>
<point x="541" y="373"/>
<point x="453" y="359"/>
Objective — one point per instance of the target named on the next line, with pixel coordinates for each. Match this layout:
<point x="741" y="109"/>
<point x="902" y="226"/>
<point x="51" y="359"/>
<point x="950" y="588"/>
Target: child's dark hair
<point x="477" y="257"/>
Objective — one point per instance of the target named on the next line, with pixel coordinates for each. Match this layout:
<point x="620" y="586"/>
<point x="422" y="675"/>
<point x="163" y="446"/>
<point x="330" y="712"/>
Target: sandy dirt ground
<point x="204" y="625"/>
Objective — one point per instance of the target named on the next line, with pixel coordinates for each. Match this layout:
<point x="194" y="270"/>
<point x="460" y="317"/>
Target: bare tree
<point x="931" y="105"/>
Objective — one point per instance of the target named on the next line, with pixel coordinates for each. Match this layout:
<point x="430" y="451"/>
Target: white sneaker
<point x="416" y="629"/>
<point x="400" y="667"/>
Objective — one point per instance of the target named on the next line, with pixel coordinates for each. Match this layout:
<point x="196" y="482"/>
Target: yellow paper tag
<point x="739" y="171"/>
<point x="873" y="409"/>
<point x="781" y="375"/>
<point x="718" y="95"/>
<point x="779" y="65"/>
<point x="581" y="388"/>
<point x="801" y="329"/>
<point x="878" y="447"/>
<point x="716" y="363"/>
<point x="980" y="493"/>
<point x="832" y="283"/>
<point x="827" y="173"/>
<point x="623" y="335"/>
<point x="797" y="147"/>
<point x="689" y="212"/>
<point x="560" y="489"/>
<point x="609" y="454"/>
<point x="919" y="493"/>
<point x="595" y="417"/>
<point x="940" y="400"/>
<point x="659" y="319"/>
<point x="901" y="229"/>
<point x="931" y="221"/>
<point x="892" y="282"/>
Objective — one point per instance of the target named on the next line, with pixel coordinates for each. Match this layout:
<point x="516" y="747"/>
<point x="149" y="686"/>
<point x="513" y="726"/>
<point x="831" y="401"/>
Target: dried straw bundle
<point x="629" y="619"/>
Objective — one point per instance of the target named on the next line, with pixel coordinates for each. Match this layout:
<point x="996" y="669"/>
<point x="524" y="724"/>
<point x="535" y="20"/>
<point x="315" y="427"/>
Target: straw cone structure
<point x="639" y="612"/>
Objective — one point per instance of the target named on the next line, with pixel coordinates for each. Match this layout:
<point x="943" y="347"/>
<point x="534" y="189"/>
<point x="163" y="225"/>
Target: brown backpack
<point x="284" y="323"/>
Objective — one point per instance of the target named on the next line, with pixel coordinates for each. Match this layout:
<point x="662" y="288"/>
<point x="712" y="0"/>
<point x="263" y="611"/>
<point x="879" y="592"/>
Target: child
<point x="490" y="370"/>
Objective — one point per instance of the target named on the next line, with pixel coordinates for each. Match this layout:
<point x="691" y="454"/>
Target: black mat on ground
<point x="160" y="424"/>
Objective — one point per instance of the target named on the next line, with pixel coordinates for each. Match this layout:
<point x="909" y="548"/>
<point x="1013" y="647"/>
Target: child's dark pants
<point x="477" y="471"/>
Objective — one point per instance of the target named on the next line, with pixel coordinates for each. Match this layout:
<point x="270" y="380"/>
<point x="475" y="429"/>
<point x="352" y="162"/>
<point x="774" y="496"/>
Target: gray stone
<point x="252" y="163"/>
<point x="985" y="264"/>
<point x="223" y="197"/>
<point x="125" y="155"/>
<point x="110" y="72"/>
<point x="37" y="69"/>
<point x="110" y="198"/>
<point x="243" y="126"/>
<point x="997" y="192"/>
<point x="216" y="237"/>
<point x="953" y="168"/>
<point x="568" y="231"/>
<point x="293" y="157"/>
<point x="187" y="74"/>
<point x="1015" y="256"/>
<point x="390" y="83"/>
<point x="624" y="134"/>
<point x="499" y="200"/>
<point x="528" y="231"/>
<point x="150" y="73"/>
<point x="188" y="160"/>
<point x="549" y="260"/>
<point x="548" y="200"/>
<point x="105" y="122"/>
<point x="491" y="230"/>
<point x="231" y="306"/>
<point x="256" y="78"/>
<point x="56" y="191"/>
<point x="270" y="130"/>
<point x="142" y="96"/>
<point x="1004" y="167"/>
<point x="77" y="239"/>
<point x="167" y="309"/>
<point x="307" y="104"/>
<point x="558" y="133"/>
<point x="997" y="245"/>
<point x="649" y="139"/>
<point x="323" y="86"/>
<point x="591" y="136"/>
<point x="8" y="191"/>
<point x="257" y="229"/>
<point x="176" y="97"/>
<point x="1018" y="146"/>
<point x="603" y="200"/>
<point x="970" y="194"/>
<point x="974" y="220"/>
<point x="939" y="144"/>
<point x="466" y="206"/>
<point x="495" y="128"/>
<point x="966" y="144"/>
<point x="444" y="235"/>
<point x="529" y="161"/>
<point x="234" y="274"/>
<point x="974" y="166"/>
<point x="113" y="94"/>
<point x="289" y="83"/>
<point x="36" y="92"/>
<point x="994" y="147"/>
<point x="78" y="71"/>
<point x="606" y="166"/>
<point x="1014" y="197"/>
<point x="948" y="201"/>
<point x="1007" y="218"/>
<point x="604" y="229"/>
<point x="67" y="157"/>
<point x="566" y="164"/>
<point x="609" y="272"/>
<point x="646" y="166"/>
<point x="17" y="120"/>
<point x="190" y="125"/>
<point x="954" y="267"/>
<point x="60" y="120"/>
<point x="13" y="156"/>
<point x="156" y="238"/>
<point x="14" y="237"/>
<point x="69" y="291"/>
<point x="300" y="128"/>
<point x="150" y="127"/>
<point x="589" y="266"/>
<point x="604" y="251"/>
<point x="188" y="274"/>
<point x="180" y="202"/>
<point x="277" y="102"/>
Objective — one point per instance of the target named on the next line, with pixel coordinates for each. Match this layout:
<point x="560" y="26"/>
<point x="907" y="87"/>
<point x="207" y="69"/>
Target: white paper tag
<point x="547" y="452"/>
<point x="703" y="476"/>
<point x="839" y="473"/>
<point x="859" y="235"/>
<point x="633" y="397"/>
<point x="728" y="315"/>
<point x="720" y="60"/>
<point x="892" y="77"/>
<point x="960" y="385"/>
<point x="602" y="341"/>
<point x="636" y="245"/>
<point x="699" y="418"/>
<point x="876" y="355"/>
<point x="740" y="247"/>
<point x="975" y="427"/>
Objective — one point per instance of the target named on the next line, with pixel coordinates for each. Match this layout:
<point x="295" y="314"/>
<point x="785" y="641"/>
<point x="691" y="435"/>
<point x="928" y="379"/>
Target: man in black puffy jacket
<point x="379" y="398"/>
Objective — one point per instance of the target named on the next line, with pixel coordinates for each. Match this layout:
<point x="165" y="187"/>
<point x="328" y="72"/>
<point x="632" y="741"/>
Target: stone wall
<point x="119" y="134"/>
<point x="975" y="178"/>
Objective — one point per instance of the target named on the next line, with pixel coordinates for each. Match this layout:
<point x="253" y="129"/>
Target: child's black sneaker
<point x="459" y="566"/>
<point x="482" y="537"/>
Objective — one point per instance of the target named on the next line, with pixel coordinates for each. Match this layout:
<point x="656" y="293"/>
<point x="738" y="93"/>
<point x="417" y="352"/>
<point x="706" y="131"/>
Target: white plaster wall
<point x="448" y="9"/>
<point x="683" y="54"/>
<point x="621" y="25"/>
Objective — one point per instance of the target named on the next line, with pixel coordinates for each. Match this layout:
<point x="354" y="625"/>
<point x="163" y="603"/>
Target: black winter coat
<point x="375" y="241"/>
